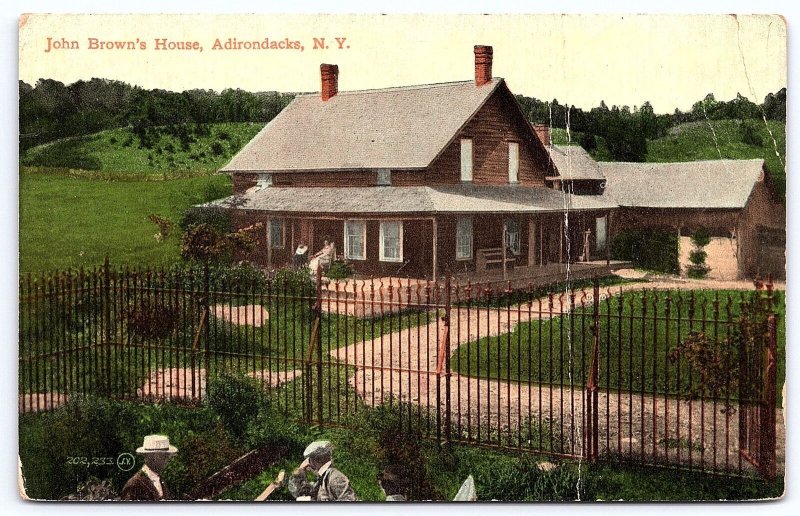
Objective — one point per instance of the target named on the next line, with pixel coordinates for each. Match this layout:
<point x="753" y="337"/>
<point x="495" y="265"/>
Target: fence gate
<point x="757" y="439"/>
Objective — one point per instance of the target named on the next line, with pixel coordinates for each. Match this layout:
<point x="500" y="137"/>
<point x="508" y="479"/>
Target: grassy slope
<point x="119" y="150"/>
<point x="68" y="222"/>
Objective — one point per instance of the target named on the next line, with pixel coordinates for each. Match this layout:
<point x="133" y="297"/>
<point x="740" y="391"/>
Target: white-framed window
<point x="355" y="240"/>
<point x="464" y="239"/>
<point x="384" y="177"/>
<point x="277" y="237"/>
<point x="391" y="241"/>
<point x="512" y="236"/>
<point x="264" y="180"/>
<point x="513" y="162"/>
<point x="466" y="159"/>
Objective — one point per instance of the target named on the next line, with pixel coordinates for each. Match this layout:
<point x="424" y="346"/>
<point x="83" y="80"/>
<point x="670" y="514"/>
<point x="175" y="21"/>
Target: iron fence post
<point x="318" y="342"/>
<point x="768" y="438"/>
<point x="446" y="347"/>
<point x="591" y="426"/>
<point x="107" y="320"/>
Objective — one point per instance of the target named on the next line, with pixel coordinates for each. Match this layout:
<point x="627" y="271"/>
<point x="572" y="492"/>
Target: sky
<point x="670" y="60"/>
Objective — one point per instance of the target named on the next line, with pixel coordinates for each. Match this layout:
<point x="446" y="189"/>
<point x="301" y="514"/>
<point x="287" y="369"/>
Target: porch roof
<point x="413" y="199"/>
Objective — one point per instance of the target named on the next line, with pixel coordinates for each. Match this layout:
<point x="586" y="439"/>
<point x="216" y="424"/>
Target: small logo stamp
<point x="125" y="461"/>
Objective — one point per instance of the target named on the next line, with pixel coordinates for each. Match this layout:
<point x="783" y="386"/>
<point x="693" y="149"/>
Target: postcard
<point x="405" y="258"/>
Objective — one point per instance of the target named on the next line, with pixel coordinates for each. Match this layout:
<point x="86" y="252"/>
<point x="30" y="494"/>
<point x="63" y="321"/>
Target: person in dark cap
<point x="146" y="483"/>
<point x="331" y="485"/>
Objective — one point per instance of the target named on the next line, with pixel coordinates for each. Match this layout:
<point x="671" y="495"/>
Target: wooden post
<point x="561" y="241"/>
<point x="541" y="241"/>
<point x="292" y="237"/>
<point x="435" y="239"/>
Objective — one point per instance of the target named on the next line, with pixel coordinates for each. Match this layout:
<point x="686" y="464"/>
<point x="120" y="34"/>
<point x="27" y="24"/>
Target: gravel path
<point x="404" y="364"/>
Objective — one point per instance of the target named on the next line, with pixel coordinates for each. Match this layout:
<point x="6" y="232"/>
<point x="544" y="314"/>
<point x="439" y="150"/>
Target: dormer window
<point x="384" y="177"/>
<point x="264" y="180"/>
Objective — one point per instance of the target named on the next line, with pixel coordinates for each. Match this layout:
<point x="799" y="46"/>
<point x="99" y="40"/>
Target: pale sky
<point x="671" y="60"/>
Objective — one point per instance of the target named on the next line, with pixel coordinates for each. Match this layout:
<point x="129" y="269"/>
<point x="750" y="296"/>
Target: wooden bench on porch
<point x="493" y="258"/>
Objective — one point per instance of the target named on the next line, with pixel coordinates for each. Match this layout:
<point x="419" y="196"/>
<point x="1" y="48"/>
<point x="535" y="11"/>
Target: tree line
<point x="50" y="110"/>
<point x="627" y="130"/>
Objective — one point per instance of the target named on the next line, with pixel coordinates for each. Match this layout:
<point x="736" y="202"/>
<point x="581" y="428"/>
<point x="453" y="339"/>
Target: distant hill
<point x="166" y="149"/>
<point x="693" y="141"/>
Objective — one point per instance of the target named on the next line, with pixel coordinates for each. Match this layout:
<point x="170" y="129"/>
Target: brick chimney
<point x="542" y="132"/>
<point x="330" y="80"/>
<point x="483" y="64"/>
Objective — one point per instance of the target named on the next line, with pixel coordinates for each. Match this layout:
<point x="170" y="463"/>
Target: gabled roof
<point x="414" y="199"/>
<point x="396" y="128"/>
<point x="573" y="162"/>
<point x="720" y="184"/>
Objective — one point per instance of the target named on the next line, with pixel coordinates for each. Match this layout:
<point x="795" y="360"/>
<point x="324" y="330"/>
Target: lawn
<point x="633" y="348"/>
<point x="68" y="222"/>
<point x="165" y="150"/>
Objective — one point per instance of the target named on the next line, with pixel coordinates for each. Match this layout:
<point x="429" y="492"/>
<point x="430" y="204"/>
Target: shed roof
<point x="573" y="162"/>
<point x="413" y="199"/>
<point x="399" y="128"/>
<point x="709" y="184"/>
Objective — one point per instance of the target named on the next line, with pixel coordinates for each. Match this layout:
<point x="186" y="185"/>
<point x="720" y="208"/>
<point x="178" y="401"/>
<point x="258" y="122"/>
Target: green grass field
<point x="72" y="222"/>
<point x="120" y="150"/>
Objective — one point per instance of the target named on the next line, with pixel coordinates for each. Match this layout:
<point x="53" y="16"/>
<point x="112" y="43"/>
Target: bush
<point x="236" y="399"/>
<point x="199" y="457"/>
<point x="339" y="270"/>
<point x="648" y="249"/>
<point x="749" y="134"/>
<point x="698" y="268"/>
<point x="217" y="218"/>
<point x="206" y="243"/>
<point x="272" y="428"/>
<point x="217" y="148"/>
<point x="242" y="277"/>
<point x="292" y="281"/>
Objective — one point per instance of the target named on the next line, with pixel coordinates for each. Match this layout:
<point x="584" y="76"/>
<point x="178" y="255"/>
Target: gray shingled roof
<point x="573" y="162"/>
<point x="413" y="199"/>
<point x="398" y="128"/>
<point x="693" y="184"/>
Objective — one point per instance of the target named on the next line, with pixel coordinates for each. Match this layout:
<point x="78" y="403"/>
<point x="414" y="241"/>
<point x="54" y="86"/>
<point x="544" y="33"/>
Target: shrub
<point x="339" y="270"/>
<point x="272" y="428"/>
<point x="293" y="281"/>
<point x="217" y="218"/>
<point x="698" y="268"/>
<point x="648" y="249"/>
<point x="199" y="457"/>
<point x="206" y="243"/>
<point x="151" y="320"/>
<point x="588" y="141"/>
<point x="242" y="277"/>
<point x="217" y="148"/>
<point x="236" y="399"/>
<point x="749" y="134"/>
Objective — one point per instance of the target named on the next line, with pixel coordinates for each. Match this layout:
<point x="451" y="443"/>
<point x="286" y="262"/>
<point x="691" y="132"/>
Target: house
<point x="423" y="181"/>
<point x="415" y="181"/>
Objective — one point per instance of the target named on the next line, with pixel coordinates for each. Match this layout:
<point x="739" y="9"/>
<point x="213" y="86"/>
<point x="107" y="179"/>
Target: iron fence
<point x="679" y="378"/>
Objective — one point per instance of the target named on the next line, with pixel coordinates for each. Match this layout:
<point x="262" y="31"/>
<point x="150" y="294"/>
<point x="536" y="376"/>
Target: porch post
<point x="292" y="237"/>
<point x="531" y="242"/>
<point x="269" y="243"/>
<point x="435" y="239"/>
<point x="561" y="240"/>
<point x="541" y="241"/>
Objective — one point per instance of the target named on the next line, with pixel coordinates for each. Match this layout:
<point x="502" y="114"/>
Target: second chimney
<point x="483" y="64"/>
<point x="542" y="132"/>
<point x="330" y="80"/>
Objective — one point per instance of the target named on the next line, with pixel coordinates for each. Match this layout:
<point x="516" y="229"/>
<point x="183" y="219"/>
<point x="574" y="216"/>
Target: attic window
<point x="384" y="177"/>
<point x="263" y="181"/>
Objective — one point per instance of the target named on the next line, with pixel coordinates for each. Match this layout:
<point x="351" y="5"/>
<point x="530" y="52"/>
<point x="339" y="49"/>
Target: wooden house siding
<point x="491" y="129"/>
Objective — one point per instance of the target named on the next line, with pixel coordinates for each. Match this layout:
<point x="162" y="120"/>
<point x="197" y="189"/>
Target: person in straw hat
<point x="146" y="483"/>
<point x="330" y="484"/>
